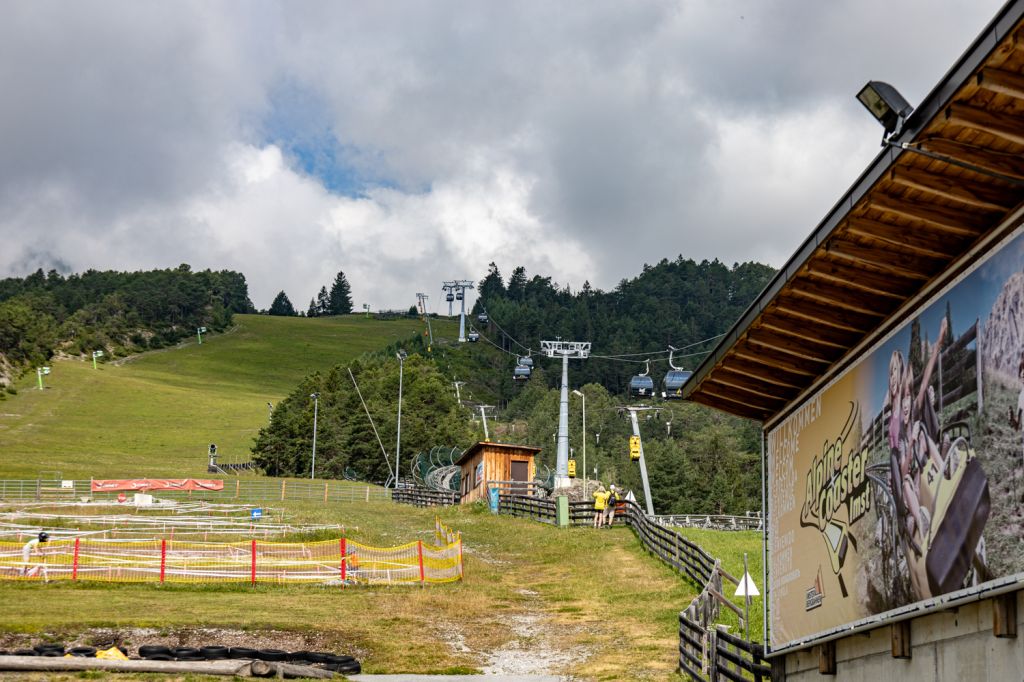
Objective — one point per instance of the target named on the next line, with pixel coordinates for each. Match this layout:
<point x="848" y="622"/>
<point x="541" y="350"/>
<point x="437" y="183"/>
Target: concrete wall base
<point x="957" y="645"/>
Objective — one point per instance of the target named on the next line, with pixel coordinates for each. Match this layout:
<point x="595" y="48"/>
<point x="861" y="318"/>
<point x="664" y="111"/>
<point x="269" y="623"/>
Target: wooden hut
<point x="485" y="461"/>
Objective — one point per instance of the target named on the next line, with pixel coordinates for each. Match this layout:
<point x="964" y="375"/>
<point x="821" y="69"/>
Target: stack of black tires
<point x="336" y="663"/>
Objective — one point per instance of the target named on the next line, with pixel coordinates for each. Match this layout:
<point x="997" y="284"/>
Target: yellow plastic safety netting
<point x="340" y="562"/>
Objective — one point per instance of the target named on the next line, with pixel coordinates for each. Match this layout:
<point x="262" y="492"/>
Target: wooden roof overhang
<point x="521" y="450"/>
<point x="952" y="175"/>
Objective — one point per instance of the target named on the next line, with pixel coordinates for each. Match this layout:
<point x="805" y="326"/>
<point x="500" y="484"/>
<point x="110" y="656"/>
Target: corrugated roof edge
<point x="1007" y="17"/>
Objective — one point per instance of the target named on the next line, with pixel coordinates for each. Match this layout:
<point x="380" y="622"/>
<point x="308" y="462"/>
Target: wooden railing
<point x="424" y="497"/>
<point x="528" y="507"/>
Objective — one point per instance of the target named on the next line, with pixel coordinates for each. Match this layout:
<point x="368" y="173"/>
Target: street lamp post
<point x="583" y="395"/>
<point x="401" y="355"/>
<point x="316" y="409"/>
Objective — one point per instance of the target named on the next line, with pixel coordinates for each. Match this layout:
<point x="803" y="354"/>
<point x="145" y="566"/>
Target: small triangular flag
<point x="747" y="587"/>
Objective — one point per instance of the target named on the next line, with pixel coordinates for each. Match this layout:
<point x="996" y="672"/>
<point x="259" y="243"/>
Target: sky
<point x="407" y="143"/>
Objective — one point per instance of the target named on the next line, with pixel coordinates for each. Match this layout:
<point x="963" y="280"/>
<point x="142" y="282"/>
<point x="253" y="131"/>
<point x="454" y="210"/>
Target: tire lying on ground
<point x="317" y="656"/>
<point x="187" y="653"/>
<point x="151" y="650"/>
<point x="160" y="657"/>
<point x="299" y="657"/>
<point x="24" y="652"/>
<point x="352" y="667"/>
<point x="49" y="649"/>
<point x="241" y="652"/>
<point x="82" y="651"/>
<point x="214" y="652"/>
<point x="272" y="655"/>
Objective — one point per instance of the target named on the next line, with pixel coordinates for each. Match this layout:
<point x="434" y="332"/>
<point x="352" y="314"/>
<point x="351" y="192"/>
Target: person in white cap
<point x="609" y="510"/>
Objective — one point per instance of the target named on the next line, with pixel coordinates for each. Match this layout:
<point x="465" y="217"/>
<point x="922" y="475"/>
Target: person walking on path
<point x="600" y="503"/>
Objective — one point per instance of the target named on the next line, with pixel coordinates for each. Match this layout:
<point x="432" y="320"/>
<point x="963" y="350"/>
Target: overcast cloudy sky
<point x="410" y="142"/>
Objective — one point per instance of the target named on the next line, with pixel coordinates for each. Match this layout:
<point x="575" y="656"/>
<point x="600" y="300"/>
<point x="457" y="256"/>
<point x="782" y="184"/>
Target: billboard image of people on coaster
<point x="902" y="479"/>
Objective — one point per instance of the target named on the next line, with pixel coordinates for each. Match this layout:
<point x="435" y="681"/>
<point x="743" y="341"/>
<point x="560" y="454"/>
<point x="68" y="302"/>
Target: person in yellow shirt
<point x="600" y="502"/>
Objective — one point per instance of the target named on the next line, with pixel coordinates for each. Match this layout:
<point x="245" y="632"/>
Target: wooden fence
<point x="419" y="496"/>
<point x="706" y="652"/>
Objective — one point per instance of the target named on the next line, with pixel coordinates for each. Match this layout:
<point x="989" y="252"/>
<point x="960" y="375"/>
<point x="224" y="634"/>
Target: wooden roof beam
<point x="728" y="383"/>
<point x="779" y="354"/>
<point x="951" y="220"/>
<point x="997" y="162"/>
<point x="833" y="338"/>
<point x="955" y="189"/>
<point x="896" y="288"/>
<point x="903" y="238"/>
<point x="729" y="375"/>
<point x="1002" y="126"/>
<point x="795" y="346"/>
<point x="908" y="267"/>
<point x="833" y="294"/>
<point x="776" y="377"/>
<point x="821" y="315"/>
<point x="743" y="398"/>
<point x="732" y="407"/>
<point x="1003" y="82"/>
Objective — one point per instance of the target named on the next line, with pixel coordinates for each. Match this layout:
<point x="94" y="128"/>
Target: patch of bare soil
<point x="534" y="647"/>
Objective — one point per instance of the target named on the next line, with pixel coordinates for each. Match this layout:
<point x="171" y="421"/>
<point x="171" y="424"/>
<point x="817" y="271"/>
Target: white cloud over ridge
<point x="578" y="139"/>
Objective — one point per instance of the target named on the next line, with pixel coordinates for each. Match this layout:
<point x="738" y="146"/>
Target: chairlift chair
<point x="450" y="297"/>
<point x="521" y="373"/>
<point x="482" y="318"/>
<point x="642" y="385"/>
<point x="672" y="385"/>
<point x="473" y="336"/>
<point x="458" y="295"/>
<point x="525" y="361"/>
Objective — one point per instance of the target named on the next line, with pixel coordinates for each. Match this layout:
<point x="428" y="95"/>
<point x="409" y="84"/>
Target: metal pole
<point x="643" y="463"/>
<point x="316" y="410"/>
<point x="583" y="395"/>
<point x="483" y="416"/>
<point x="462" y="317"/>
<point x="398" y="442"/>
<point x="562" y="463"/>
<point x="746" y="598"/>
<point x="39" y="376"/>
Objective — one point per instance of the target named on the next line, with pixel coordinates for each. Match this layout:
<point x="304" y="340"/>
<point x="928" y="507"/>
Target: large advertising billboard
<point x="902" y="480"/>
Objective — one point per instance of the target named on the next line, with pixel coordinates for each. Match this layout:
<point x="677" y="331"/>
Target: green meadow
<point x="156" y="413"/>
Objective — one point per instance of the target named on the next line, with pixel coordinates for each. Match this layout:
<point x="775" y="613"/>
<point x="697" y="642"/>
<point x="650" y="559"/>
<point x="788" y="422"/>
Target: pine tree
<point x="311" y="311"/>
<point x="323" y="302"/>
<point x="340" y="300"/>
<point x="282" y="306"/>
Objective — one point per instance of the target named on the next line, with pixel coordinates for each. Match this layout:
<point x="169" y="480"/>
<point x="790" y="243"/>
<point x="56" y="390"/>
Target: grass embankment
<point x="155" y="414"/>
<point x="589" y="602"/>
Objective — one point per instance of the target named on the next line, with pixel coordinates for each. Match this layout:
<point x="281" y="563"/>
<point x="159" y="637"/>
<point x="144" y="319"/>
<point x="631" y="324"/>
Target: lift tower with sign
<point x="422" y="300"/>
<point x="458" y="286"/>
<point x="579" y="350"/>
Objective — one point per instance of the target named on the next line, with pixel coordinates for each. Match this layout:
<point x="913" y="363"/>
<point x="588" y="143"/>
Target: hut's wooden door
<point x="520" y="472"/>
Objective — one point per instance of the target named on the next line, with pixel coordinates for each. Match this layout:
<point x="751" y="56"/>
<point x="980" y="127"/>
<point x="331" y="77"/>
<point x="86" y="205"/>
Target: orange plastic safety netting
<point x="339" y="562"/>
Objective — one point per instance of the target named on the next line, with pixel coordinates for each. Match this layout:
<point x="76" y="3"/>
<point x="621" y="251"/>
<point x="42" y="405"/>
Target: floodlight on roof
<point x="886" y="104"/>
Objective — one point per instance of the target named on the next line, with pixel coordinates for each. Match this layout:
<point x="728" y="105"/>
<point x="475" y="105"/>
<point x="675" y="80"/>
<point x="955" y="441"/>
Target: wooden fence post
<point x="238" y="485"/>
<point x="282" y="489"/>
<point x="325" y="491"/>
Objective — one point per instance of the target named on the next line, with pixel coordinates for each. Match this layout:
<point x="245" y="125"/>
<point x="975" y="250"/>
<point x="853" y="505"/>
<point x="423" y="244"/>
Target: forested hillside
<point x="118" y="312"/>
<point x="700" y="460"/>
